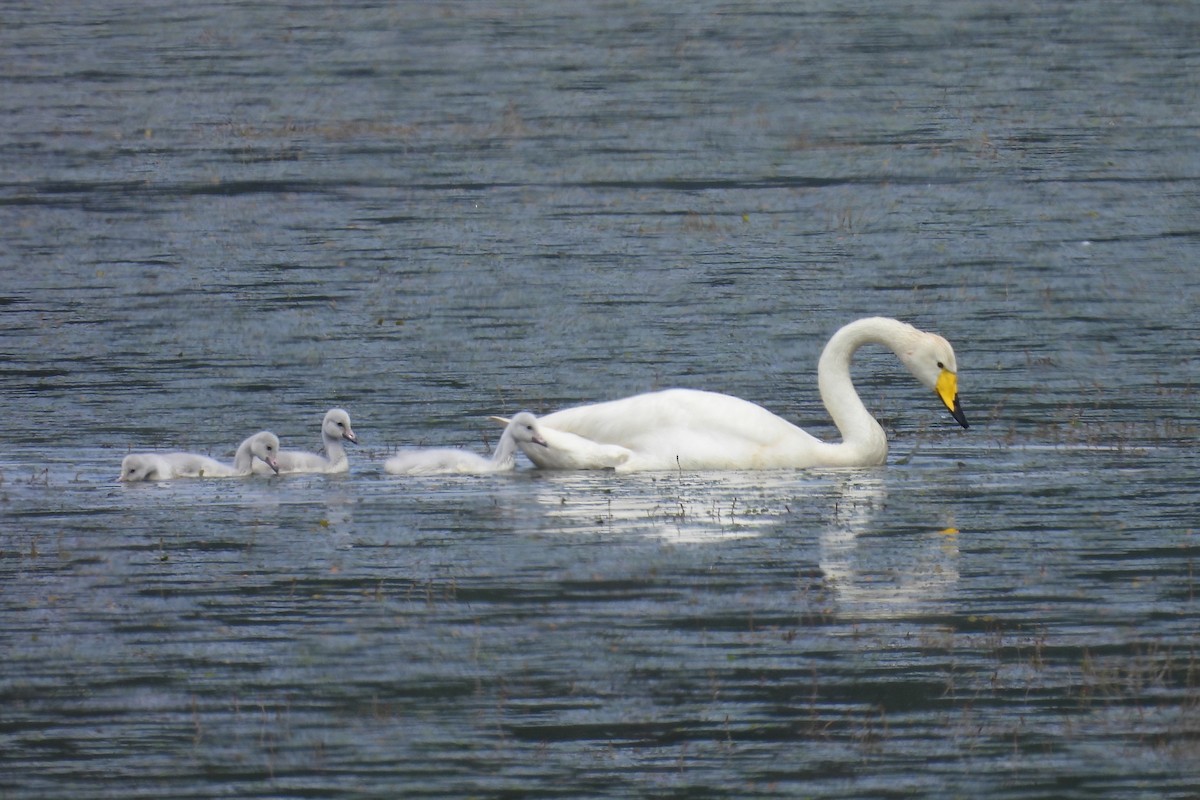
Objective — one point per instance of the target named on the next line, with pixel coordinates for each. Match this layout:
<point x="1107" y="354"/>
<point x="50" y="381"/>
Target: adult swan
<point x="697" y="430"/>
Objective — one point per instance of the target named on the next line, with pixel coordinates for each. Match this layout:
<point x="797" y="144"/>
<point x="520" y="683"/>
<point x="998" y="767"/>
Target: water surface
<point x="226" y="217"/>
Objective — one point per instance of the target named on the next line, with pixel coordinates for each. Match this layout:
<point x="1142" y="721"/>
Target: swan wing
<point x="302" y="461"/>
<point x="436" y="461"/>
<point x="689" y="429"/>
<point x="194" y="465"/>
<point x="565" y="450"/>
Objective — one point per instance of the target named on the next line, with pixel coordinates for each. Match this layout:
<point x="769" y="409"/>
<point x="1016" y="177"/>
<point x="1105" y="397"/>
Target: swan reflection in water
<point x="681" y="508"/>
<point x="872" y="569"/>
<point x="875" y="570"/>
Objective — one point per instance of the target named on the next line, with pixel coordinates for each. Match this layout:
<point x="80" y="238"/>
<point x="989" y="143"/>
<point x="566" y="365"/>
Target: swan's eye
<point x="941" y="365"/>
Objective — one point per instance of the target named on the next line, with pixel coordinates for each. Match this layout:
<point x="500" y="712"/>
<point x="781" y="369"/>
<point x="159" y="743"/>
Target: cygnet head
<point x="265" y="447"/>
<point x="141" y="467"/>
<point x="337" y="425"/>
<point x="524" y="428"/>
<point x="930" y="359"/>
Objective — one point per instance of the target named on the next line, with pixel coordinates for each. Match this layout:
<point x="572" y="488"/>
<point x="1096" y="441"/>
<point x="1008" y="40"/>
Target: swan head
<point x="141" y="467"/>
<point x="265" y="447"/>
<point x="930" y="359"/>
<point x="337" y="425"/>
<point x="523" y="427"/>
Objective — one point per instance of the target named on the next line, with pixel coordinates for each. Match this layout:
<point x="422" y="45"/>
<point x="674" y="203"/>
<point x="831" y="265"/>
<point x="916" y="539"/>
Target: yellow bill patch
<point x="947" y="388"/>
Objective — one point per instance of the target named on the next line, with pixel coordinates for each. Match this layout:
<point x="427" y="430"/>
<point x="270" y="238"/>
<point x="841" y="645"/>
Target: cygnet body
<point x="335" y="429"/>
<point x="520" y="432"/>
<point x="261" y="447"/>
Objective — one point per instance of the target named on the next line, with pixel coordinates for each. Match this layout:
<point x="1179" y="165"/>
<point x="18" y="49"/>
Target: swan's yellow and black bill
<point x="947" y="389"/>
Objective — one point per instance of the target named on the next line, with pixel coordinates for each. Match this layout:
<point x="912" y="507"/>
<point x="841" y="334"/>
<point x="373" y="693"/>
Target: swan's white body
<point x="518" y="432"/>
<point x="696" y="430"/>
<point x="335" y="429"/>
<point x="262" y="446"/>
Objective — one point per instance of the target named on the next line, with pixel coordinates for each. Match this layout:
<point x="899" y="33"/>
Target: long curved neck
<point x="863" y="438"/>
<point x="506" y="451"/>
<point x="335" y="451"/>
<point x="243" y="460"/>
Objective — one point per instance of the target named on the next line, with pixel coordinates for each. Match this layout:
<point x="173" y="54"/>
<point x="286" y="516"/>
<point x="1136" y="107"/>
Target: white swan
<point x="262" y="446"/>
<point x="146" y="467"/>
<point x="694" y="430"/>
<point x="335" y="429"/>
<point x="555" y="449"/>
<point x="519" y="432"/>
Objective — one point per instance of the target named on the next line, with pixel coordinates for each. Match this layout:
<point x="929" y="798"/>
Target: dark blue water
<point x="220" y="218"/>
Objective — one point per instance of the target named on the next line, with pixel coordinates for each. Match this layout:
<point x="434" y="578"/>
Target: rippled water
<point x="224" y="217"/>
